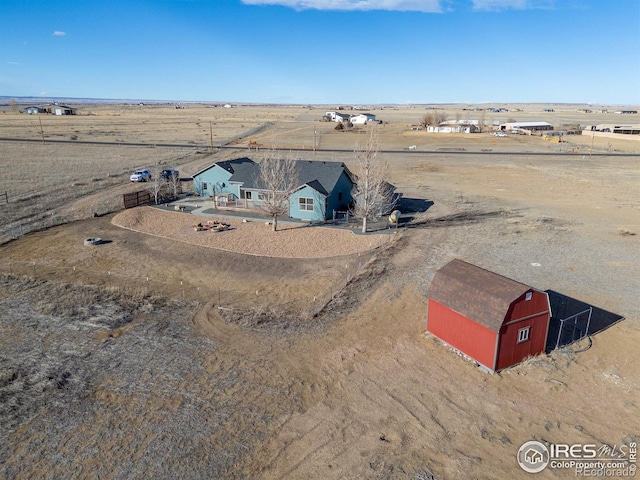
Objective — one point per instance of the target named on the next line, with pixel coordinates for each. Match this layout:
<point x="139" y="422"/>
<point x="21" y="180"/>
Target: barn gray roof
<point x="476" y="293"/>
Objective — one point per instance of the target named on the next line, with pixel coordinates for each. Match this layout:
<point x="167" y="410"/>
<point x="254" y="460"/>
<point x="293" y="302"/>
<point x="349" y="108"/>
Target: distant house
<point x="528" y="127"/>
<point x="323" y="187"/>
<point x="34" y="110"/>
<point x="495" y="320"/>
<point x="455" y="126"/>
<point x="626" y="112"/>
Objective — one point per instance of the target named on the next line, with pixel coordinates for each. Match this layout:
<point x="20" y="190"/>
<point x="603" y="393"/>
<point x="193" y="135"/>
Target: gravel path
<point x="252" y="238"/>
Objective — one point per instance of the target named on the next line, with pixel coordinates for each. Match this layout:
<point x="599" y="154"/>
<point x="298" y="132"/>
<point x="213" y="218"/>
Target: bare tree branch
<point x="373" y="196"/>
<point x="278" y="180"/>
<point x="156" y="184"/>
<point x="433" y="118"/>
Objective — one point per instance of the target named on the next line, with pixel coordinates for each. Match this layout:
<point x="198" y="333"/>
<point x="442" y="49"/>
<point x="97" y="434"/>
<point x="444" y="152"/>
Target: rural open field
<point x="153" y="355"/>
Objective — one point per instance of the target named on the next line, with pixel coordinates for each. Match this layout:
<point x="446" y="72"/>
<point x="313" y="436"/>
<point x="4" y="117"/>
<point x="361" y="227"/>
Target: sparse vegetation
<point x="435" y="117"/>
<point x="138" y="373"/>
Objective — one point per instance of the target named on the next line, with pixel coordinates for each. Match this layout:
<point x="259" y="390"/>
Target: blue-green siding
<point x="340" y="198"/>
<point x="216" y="177"/>
<point x="318" y="213"/>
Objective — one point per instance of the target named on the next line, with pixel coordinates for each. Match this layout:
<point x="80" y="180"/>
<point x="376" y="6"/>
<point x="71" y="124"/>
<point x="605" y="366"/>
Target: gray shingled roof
<point x="243" y="167"/>
<point x="243" y="170"/>
<point x="476" y="293"/>
<point x="321" y="176"/>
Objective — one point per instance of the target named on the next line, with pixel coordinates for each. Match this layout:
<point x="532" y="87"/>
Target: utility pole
<point x="41" y="131"/>
<point x="210" y="137"/>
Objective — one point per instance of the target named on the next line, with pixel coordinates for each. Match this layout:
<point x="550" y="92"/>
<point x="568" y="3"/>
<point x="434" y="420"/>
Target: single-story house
<point x="495" y="320"/>
<point x="323" y="187"/>
<point x="455" y="126"/>
<point x="528" y="126"/>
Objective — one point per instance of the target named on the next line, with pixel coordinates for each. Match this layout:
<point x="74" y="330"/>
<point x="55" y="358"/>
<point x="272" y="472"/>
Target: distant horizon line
<point x="82" y="100"/>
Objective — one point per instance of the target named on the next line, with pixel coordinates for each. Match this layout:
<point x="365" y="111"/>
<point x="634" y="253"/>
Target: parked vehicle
<point x="140" y="175"/>
<point x="169" y="173"/>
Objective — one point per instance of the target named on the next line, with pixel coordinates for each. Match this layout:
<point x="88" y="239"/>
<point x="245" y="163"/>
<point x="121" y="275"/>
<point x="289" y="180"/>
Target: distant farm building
<point x="50" y="109"/>
<point x="62" y="110"/>
<point x="629" y="129"/>
<point x="337" y="116"/>
<point x="362" y="118"/>
<point x="526" y="127"/>
<point x="494" y="320"/>
<point x="626" y="112"/>
<point x="34" y="110"/>
<point x="455" y="126"/>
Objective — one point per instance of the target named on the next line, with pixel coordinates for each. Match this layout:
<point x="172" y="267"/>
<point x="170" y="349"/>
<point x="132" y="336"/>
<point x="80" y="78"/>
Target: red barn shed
<point x="494" y="320"/>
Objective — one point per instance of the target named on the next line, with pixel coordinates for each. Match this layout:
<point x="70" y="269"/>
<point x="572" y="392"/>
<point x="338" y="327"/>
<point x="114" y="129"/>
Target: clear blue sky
<point x="323" y="51"/>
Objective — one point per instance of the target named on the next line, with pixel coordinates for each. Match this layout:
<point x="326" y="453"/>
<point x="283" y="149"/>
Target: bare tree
<point x="372" y="195"/>
<point x="278" y="179"/>
<point x="156" y="184"/>
<point x="174" y="182"/>
<point x="13" y="106"/>
<point x="433" y="118"/>
<point x="482" y="120"/>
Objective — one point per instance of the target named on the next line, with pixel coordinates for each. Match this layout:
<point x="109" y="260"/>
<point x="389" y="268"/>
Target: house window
<point x="245" y="195"/>
<point x="305" y="204"/>
<point x="523" y="334"/>
<point x="339" y="196"/>
<point x="262" y="197"/>
<point x="204" y="187"/>
<point x="528" y="296"/>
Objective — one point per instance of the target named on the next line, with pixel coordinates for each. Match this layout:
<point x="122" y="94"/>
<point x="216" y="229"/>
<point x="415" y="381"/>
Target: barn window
<point x="305" y="204"/>
<point x="523" y="334"/>
<point x="528" y="296"/>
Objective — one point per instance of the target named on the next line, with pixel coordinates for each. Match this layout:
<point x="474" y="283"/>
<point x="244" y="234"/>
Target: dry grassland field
<point x="164" y="354"/>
